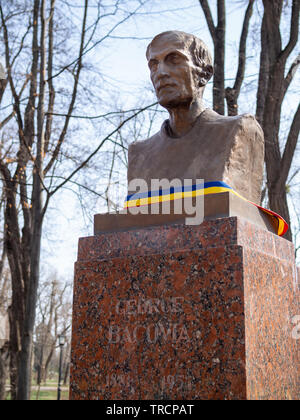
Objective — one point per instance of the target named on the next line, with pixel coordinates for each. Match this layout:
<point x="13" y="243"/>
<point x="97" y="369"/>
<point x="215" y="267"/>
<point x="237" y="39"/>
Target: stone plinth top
<point x="215" y="206"/>
<point x="179" y="237"/>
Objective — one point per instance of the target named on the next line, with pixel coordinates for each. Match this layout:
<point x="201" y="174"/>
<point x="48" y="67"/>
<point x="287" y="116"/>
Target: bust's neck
<point x="183" y="117"/>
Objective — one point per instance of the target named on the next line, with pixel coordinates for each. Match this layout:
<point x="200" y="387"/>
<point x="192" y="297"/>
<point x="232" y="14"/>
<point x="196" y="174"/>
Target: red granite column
<point x="185" y="312"/>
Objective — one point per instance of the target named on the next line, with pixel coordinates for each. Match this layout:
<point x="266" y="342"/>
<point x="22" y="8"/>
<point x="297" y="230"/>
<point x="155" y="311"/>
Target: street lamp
<point x="61" y="342"/>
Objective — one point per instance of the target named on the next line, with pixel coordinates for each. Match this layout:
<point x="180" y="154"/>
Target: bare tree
<point x="4" y="329"/>
<point x="47" y="67"/>
<point x="49" y="87"/>
<point x="218" y="34"/>
<point x="274" y="81"/>
<point x="53" y="316"/>
<point x="54" y="313"/>
<point x="4" y="307"/>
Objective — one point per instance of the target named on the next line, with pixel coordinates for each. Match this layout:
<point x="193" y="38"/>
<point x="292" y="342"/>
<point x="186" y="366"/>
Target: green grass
<point x="49" y="395"/>
<point x="46" y="395"/>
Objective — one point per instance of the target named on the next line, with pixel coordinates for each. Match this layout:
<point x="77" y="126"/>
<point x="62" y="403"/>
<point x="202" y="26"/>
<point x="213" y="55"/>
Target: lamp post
<point x="61" y="342"/>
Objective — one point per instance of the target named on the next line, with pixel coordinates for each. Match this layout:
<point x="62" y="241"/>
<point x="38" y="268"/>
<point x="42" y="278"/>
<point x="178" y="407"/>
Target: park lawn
<point x="49" y="395"/>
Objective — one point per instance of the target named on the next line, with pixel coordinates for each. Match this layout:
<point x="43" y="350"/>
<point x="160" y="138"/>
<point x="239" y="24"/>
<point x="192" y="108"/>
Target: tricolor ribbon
<point x="176" y="193"/>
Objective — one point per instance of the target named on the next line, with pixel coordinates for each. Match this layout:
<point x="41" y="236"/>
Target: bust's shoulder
<point x="247" y="122"/>
<point x="139" y="145"/>
<point x="211" y="116"/>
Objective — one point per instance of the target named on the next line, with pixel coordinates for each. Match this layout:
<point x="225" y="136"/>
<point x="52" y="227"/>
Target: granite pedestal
<point x="186" y="312"/>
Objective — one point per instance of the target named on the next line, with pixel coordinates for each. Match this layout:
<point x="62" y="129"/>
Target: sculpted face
<point x="173" y="72"/>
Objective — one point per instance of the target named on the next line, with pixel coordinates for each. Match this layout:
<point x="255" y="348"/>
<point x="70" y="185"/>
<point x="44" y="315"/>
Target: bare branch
<point x="289" y="150"/>
<point x="95" y="117"/>
<point x="7" y="119"/>
<point x="9" y="75"/>
<point x="232" y="94"/>
<point x="209" y="19"/>
<point x="294" y="175"/>
<point x="290" y="75"/>
<point x="74" y="94"/>
<point x="221" y="15"/>
<point x="12" y="114"/>
<point x="50" y="81"/>
<point x="86" y="51"/>
<point x="294" y="32"/>
<point x="21" y="45"/>
<point x="242" y="49"/>
<point x="85" y="162"/>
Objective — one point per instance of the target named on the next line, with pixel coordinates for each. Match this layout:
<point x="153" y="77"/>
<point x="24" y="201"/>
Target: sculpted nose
<point x="162" y="69"/>
<point x="161" y="73"/>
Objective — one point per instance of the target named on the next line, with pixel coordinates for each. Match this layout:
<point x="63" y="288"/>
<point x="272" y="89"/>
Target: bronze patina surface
<point x="195" y="142"/>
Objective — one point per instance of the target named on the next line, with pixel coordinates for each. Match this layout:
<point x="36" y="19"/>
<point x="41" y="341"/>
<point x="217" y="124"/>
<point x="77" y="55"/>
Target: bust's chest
<point x="201" y="156"/>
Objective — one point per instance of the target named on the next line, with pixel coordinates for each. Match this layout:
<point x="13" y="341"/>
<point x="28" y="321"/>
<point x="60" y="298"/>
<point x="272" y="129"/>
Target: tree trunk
<point x="16" y="309"/>
<point x="34" y="129"/>
<point x="67" y="373"/>
<point x="278" y="201"/>
<point x="218" y="36"/>
<point x="24" y="366"/>
<point x="219" y="61"/>
<point x="24" y="371"/>
<point x="277" y="164"/>
<point x="2" y="377"/>
<point x="14" y="348"/>
<point x="47" y="363"/>
<point x="263" y="72"/>
<point x="3" y="370"/>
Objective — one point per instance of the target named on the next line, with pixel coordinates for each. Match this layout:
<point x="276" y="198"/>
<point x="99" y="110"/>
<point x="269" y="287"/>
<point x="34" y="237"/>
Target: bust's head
<point x="180" y="66"/>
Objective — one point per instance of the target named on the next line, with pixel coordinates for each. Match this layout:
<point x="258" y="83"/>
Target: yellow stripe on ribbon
<point x="216" y="187"/>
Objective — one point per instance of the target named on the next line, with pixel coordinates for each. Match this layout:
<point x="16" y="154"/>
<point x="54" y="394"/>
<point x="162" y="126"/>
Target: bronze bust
<point x="195" y="143"/>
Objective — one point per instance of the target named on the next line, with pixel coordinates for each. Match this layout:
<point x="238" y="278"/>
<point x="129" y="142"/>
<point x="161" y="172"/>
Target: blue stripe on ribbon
<point x="173" y="190"/>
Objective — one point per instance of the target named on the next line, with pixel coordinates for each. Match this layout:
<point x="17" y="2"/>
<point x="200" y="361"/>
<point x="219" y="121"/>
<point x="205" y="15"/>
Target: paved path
<point x="49" y="388"/>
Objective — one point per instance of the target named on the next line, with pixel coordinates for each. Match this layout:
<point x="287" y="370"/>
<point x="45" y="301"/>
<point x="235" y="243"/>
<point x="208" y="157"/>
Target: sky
<point x="125" y="69"/>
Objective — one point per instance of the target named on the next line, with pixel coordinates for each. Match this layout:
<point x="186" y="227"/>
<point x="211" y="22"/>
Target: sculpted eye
<point x="174" y="58"/>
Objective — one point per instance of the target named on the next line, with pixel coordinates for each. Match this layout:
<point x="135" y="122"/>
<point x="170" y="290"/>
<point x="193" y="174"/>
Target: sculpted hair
<point x="198" y="49"/>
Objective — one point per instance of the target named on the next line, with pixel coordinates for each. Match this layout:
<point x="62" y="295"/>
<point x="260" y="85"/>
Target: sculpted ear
<point x="209" y="71"/>
<point x="206" y="74"/>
